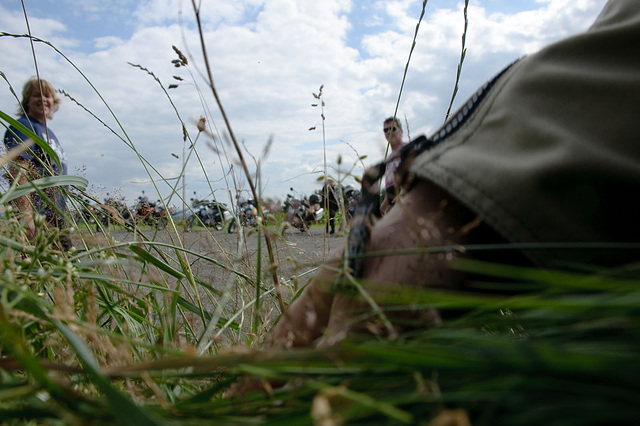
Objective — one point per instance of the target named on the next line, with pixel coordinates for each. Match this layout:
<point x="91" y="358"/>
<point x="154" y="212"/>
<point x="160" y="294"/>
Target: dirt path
<point x="225" y="267"/>
<point x="297" y="254"/>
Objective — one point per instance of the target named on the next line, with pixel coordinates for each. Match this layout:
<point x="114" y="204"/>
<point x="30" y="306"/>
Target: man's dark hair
<point x="395" y="121"/>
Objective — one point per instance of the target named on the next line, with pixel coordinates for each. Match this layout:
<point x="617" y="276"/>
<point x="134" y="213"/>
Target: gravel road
<point x="297" y="254"/>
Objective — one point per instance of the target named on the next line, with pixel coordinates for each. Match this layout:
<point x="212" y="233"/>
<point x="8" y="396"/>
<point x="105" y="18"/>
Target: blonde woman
<point x="39" y="102"/>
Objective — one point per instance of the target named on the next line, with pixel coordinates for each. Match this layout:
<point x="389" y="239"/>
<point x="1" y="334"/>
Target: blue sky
<point x="268" y="57"/>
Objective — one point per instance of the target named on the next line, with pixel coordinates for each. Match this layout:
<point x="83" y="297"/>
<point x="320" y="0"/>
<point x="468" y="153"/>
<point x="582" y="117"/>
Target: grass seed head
<point x="202" y="124"/>
<point x="182" y="59"/>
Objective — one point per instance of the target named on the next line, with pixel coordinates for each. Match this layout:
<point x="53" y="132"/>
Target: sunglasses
<point x="387" y="129"/>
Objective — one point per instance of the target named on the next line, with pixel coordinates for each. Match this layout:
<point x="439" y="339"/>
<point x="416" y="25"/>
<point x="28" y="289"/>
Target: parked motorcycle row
<point x="300" y="212"/>
<point x="115" y="211"/>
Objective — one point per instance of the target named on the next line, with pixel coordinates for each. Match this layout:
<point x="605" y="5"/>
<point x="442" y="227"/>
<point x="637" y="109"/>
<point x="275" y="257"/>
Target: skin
<point x="424" y="217"/>
<point x="395" y="141"/>
<point x="40" y="106"/>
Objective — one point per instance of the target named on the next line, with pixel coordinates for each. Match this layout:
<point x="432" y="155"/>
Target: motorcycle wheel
<point x="232" y="226"/>
<point x="218" y="225"/>
<point x="190" y="220"/>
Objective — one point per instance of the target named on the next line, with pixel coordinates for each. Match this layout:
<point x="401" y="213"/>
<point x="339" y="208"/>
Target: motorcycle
<point x="247" y="215"/>
<point x="149" y="213"/>
<point x="301" y="213"/>
<point x="111" y="210"/>
<point x="352" y="196"/>
<point x="209" y="214"/>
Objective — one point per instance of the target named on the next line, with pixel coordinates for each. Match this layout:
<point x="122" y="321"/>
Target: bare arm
<point x="306" y="319"/>
<point x="424" y="217"/>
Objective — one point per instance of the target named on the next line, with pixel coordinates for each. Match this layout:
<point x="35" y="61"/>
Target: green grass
<point x="134" y="332"/>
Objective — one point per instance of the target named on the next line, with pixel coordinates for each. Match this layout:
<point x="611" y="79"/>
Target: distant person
<point x="351" y="198"/>
<point x="332" y="193"/>
<point x="544" y="159"/>
<point x="393" y="134"/>
<point x="39" y="102"/>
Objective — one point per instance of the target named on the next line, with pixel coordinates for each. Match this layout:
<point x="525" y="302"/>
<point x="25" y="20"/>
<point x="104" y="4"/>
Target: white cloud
<point x="267" y="58"/>
<point x="13" y="21"/>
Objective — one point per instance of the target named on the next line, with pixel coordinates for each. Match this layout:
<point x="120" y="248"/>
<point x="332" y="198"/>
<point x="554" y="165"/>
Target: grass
<point x="135" y="332"/>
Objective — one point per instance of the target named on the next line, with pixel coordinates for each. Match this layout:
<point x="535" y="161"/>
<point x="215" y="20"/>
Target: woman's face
<point x="40" y="105"/>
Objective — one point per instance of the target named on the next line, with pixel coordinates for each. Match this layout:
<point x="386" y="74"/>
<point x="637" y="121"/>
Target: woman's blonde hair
<point x="42" y="86"/>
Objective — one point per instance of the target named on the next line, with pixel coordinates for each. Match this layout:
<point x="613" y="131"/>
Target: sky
<point x="121" y="119"/>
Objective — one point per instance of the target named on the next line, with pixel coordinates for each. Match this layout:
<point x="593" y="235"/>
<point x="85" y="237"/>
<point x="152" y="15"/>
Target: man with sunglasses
<point x="393" y="134"/>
